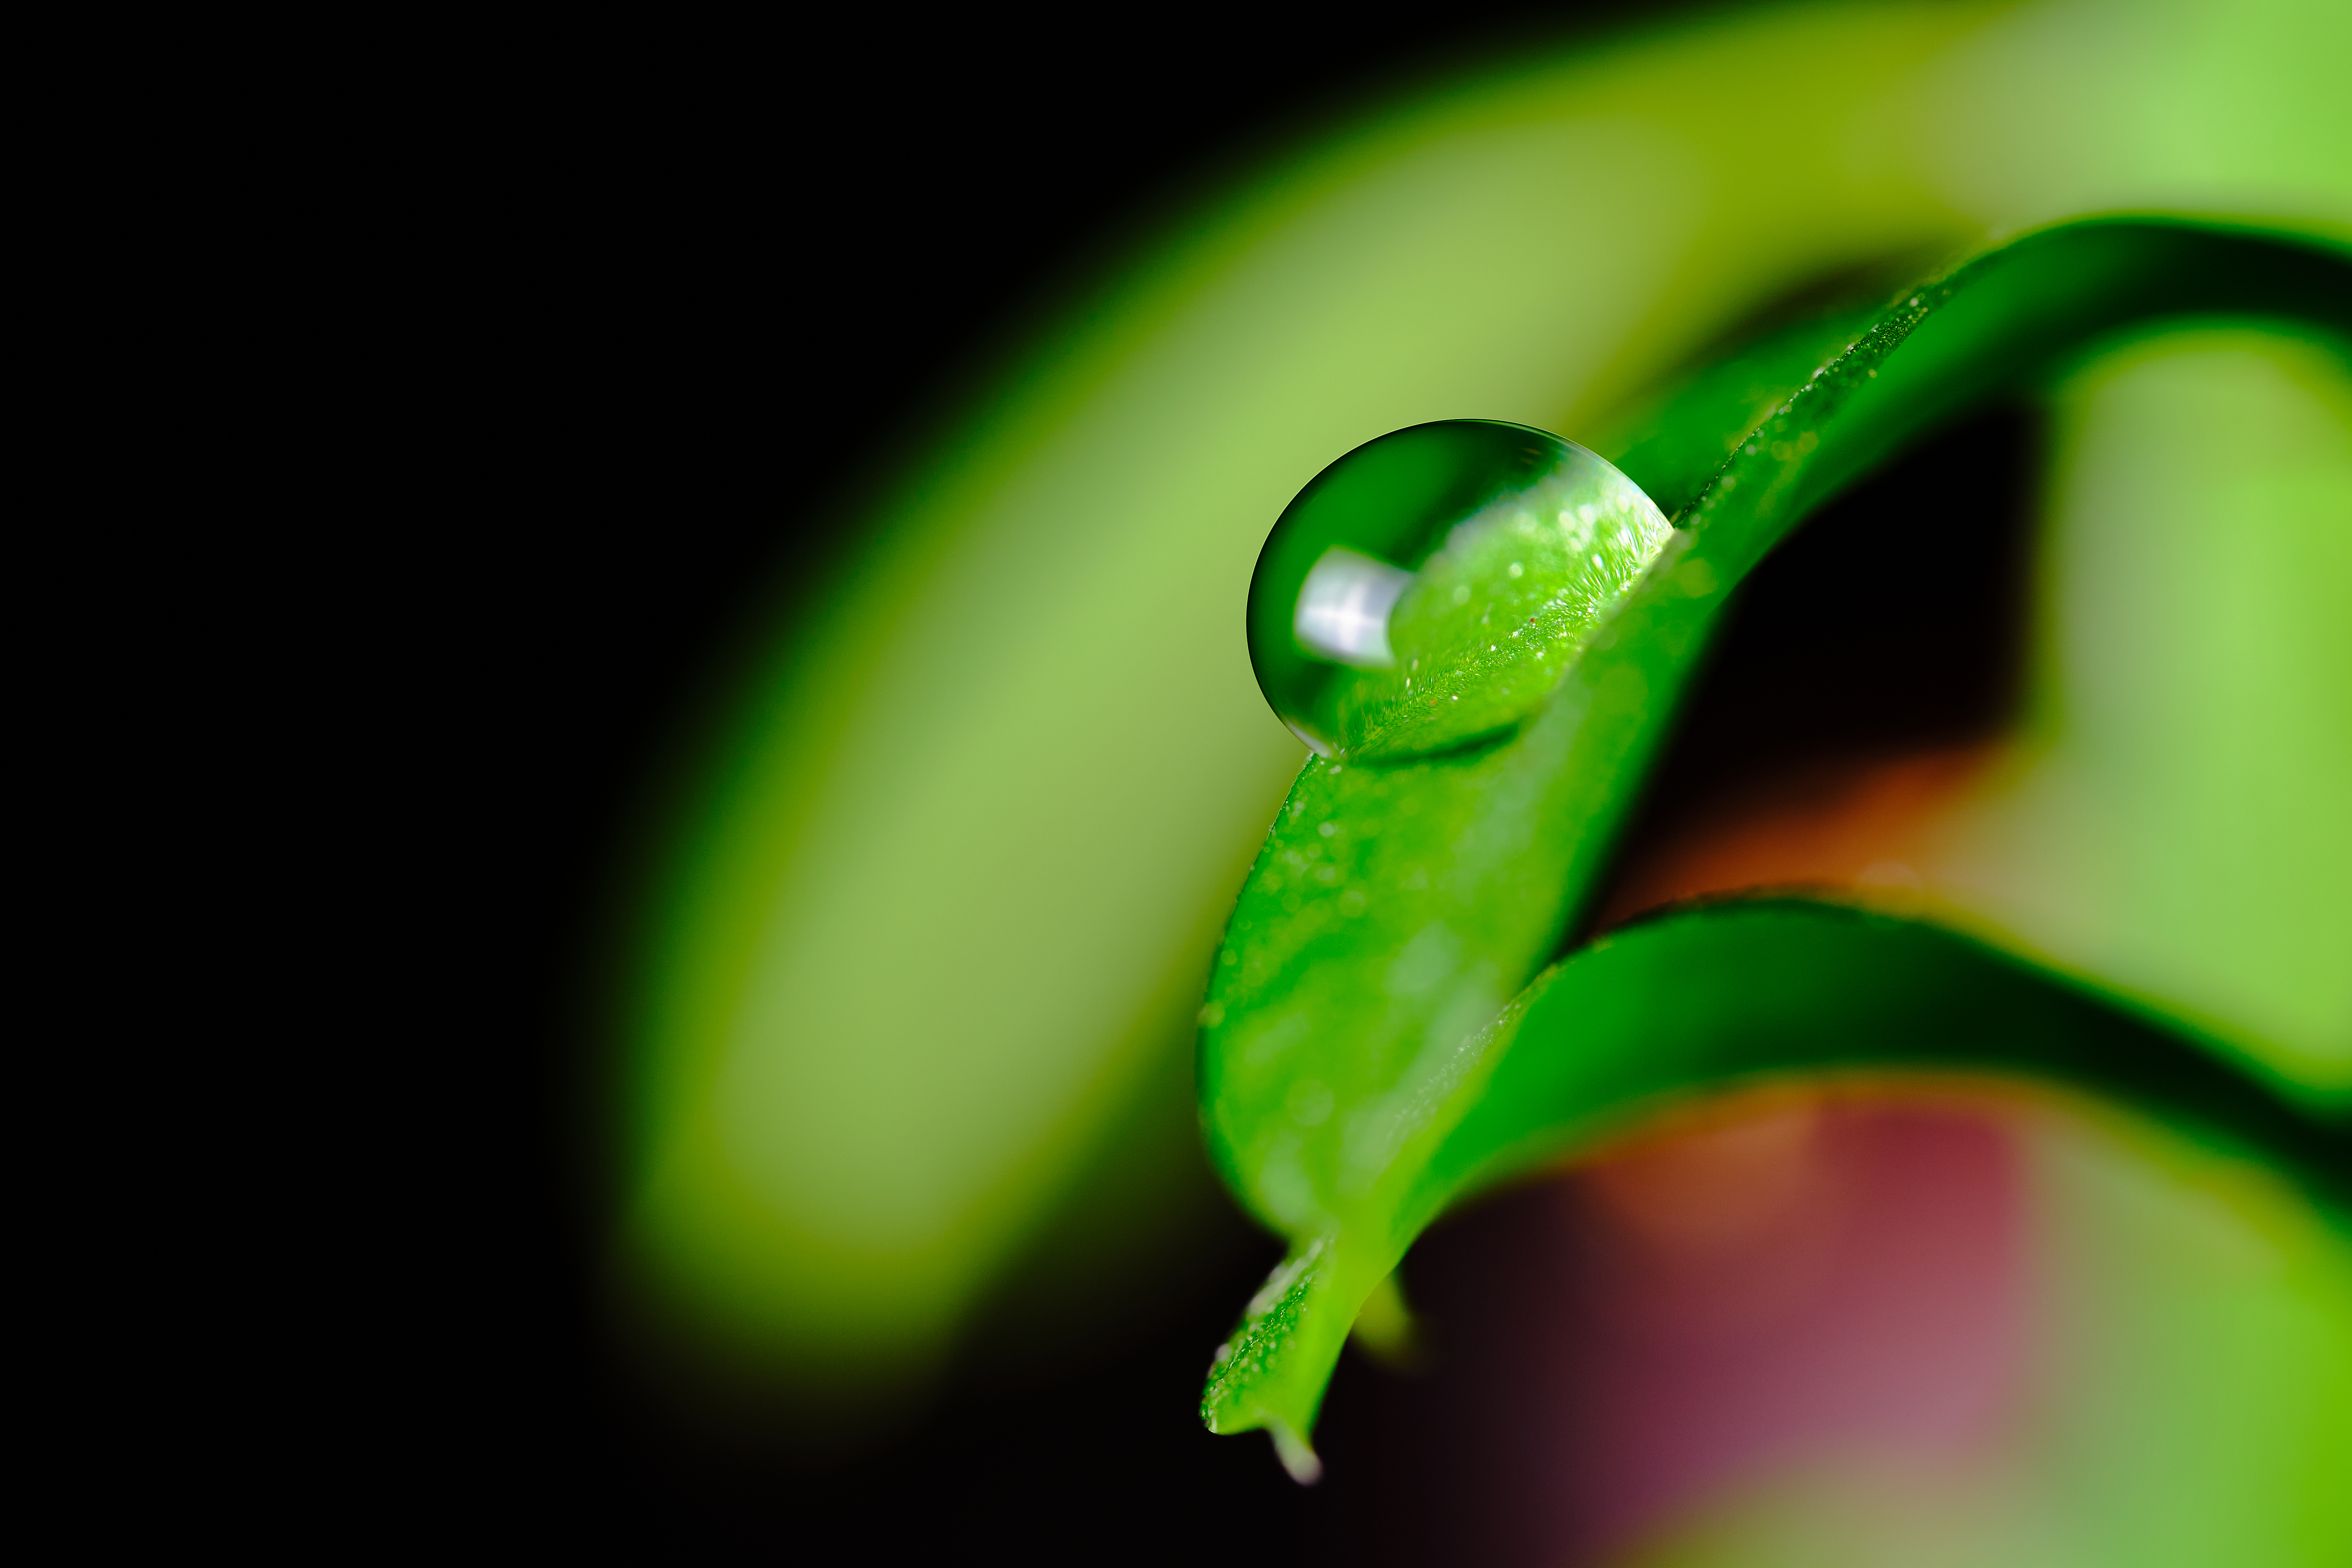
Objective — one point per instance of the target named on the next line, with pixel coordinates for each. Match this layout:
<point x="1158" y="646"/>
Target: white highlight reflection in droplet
<point x="1343" y="608"/>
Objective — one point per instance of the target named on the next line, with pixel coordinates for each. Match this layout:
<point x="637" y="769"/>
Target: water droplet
<point x="1389" y="588"/>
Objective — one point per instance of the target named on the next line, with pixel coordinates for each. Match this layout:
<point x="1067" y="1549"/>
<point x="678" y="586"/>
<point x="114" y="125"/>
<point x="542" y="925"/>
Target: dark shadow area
<point x="1893" y="621"/>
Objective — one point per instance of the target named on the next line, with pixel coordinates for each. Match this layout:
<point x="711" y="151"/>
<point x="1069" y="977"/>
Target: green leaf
<point x="1718" y="995"/>
<point x="1351" y="1030"/>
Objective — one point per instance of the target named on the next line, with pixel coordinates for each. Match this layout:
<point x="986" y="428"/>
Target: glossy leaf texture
<point x="1350" y="1032"/>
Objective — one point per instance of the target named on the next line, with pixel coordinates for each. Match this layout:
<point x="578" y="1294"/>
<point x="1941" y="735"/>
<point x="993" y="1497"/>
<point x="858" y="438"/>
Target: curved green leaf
<point x="1395" y="908"/>
<point x="1718" y="995"/>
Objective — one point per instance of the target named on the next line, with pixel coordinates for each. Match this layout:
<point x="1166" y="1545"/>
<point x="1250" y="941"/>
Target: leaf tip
<point x="1296" y="1455"/>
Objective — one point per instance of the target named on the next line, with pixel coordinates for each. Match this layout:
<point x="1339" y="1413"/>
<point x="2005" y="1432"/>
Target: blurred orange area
<point x="1717" y="1191"/>
<point x="1865" y="827"/>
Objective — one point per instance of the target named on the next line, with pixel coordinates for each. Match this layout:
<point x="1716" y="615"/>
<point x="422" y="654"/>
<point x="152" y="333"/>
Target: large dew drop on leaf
<point x="1428" y="588"/>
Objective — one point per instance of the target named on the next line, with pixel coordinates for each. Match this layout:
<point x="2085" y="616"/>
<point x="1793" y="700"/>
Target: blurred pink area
<point x="1802" y="1281"/>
